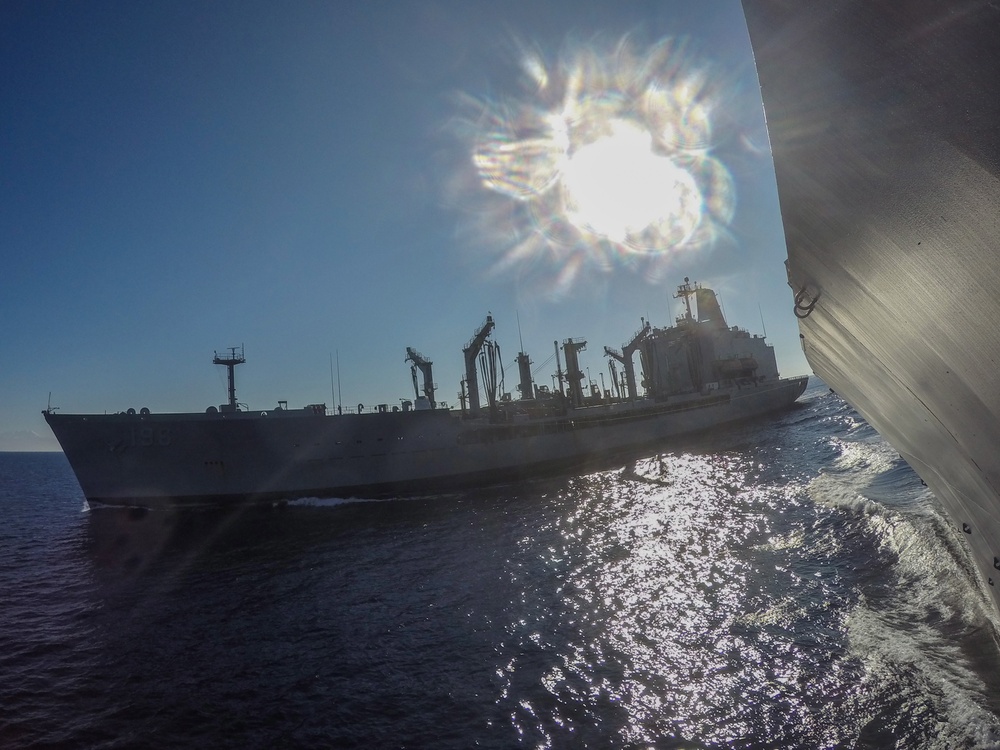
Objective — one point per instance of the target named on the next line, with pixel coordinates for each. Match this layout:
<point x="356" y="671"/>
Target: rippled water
<point x="783" y="585"/>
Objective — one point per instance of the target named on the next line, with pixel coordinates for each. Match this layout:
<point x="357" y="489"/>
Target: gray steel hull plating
<point x="883" y="124"/>
<point x="242" y="457"/>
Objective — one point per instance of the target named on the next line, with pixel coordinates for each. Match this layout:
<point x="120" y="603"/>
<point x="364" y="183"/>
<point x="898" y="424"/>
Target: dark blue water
<point x="784" y="585"/>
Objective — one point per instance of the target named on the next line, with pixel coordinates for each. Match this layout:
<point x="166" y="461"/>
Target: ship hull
<point x="882" y="119"/>
<point x="235" y="458"/>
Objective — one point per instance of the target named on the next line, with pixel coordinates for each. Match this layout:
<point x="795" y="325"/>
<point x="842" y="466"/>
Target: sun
<point x="605" y="159"/>
<point x="618" y="188"/>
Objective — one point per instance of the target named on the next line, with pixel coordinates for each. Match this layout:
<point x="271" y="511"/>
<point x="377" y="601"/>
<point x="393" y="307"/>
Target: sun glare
<point x="618" y="188"/>
<point x="606" y="155"/>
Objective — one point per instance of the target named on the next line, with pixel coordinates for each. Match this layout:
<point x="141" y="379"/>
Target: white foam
<point x="934" y="600"/>
<point x="333" y="502"/>
<point x="892" y="650"/>
<point x="867" y="457"/>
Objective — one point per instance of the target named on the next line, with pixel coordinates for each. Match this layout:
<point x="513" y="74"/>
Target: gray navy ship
<point x="883" y="125"/>
<point x="696" y="374"/>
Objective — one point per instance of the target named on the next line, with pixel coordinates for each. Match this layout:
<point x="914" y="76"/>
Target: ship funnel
<point x="709" y="310"/>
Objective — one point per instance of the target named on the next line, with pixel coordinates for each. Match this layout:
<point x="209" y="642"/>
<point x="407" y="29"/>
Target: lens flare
<point x="605" y="159"/>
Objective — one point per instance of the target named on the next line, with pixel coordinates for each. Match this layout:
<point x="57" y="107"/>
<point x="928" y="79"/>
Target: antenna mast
<point x="340" y="394"/>
<point x="333" y="392"/>
<point x="230" y="362"/>
<point x="685" y="291"/>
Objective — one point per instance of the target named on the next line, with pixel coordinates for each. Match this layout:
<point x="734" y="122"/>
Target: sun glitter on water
<point x="603" y="160"/>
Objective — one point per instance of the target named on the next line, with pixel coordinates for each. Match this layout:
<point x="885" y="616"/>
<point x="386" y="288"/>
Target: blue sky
<point x="182" y="177"/>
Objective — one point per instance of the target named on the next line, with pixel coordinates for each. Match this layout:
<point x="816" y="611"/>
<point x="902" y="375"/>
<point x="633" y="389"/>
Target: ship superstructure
<point x="702" y="351"/>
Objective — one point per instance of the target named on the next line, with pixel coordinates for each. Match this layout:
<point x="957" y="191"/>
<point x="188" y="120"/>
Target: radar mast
<point x="685" y="290"/>
<point x="230" y="362"/>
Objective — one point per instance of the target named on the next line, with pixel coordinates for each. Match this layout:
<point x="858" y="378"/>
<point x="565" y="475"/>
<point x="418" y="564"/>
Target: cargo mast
<point x="574" y="374"/>
<point x="425" y="365"/>
<point x="625" y="357"/>
<point x="471" y="351"/>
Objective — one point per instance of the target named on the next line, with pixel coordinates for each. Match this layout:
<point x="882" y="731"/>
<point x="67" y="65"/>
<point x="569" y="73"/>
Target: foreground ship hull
<point x="882" y="119"/>
<point x="244" y="457"/>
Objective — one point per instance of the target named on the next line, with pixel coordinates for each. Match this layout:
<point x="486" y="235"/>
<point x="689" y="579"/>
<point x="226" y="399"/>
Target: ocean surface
<point x="786" y="584"/>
